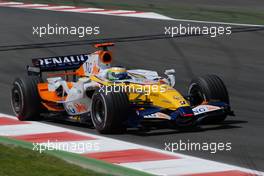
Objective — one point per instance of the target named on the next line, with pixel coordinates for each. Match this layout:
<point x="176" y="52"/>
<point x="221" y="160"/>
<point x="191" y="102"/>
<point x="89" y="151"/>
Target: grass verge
<point x="89" y="166"/>
<point x="17" y="161"/>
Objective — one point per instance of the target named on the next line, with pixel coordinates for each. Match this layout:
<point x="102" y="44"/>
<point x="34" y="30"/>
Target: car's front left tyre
<point x="109" y="111"/>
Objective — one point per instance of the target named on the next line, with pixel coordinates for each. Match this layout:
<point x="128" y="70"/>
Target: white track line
<point x="14" y="130"/>
<point x="168" y="166"/>
<point x="54" y="7"/>
<point x="29" y="5"/>
<point x="150" y="15"/>
<point x="103" y="145"/>
<point x="79" y="9"/>
<point x="216" y="22"/>
<point x="125" y="13"/>
<point x="10" y="3"/>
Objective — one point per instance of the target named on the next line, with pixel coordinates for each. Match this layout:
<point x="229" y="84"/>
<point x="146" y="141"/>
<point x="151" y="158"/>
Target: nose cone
<point x="184" y="116"/>
<point x="186" y="111"/>
<point x="168" y="98"/>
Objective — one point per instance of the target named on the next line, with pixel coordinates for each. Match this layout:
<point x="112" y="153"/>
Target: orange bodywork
<point x="80" y="71"/>
<point x="103" y="59"/>
<point x="50" y="99"/>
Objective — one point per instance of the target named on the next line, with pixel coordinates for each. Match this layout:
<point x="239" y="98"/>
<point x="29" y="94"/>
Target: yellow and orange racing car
<point x="86" y="88"/>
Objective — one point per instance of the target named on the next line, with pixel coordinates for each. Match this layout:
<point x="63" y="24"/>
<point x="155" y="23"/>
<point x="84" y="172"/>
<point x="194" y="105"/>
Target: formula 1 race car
<point x="113" y="98"/>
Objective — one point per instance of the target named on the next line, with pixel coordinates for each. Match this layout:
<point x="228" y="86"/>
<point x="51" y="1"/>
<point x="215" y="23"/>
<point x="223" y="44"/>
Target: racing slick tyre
<point x="208" y="88"/>
<point x="25" y="99"/>
<point x="109" y="111"/>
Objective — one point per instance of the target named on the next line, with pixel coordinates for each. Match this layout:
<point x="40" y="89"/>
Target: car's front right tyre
<point x="208" y="88"/>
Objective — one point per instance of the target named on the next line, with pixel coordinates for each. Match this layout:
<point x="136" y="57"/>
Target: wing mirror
<point x="170" y="77"/>
<point x="169" y="72"/>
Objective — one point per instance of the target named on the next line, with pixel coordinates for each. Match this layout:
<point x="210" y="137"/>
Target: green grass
<point x="194" y="12"/>
<point x="17" y="161"/>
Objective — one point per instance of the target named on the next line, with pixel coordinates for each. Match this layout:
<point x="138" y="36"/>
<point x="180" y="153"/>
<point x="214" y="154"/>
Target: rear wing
<point x="70" y="62"/>
<point x="59" y="63"/>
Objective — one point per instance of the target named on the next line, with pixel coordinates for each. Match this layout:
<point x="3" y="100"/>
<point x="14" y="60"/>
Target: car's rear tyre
<point x="208" y="88"/>
<point x="25" y="99"/>
<point x="109" y="111"/>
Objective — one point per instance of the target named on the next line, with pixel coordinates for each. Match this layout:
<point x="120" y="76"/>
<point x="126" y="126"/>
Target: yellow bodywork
<point x="157" y="94"/>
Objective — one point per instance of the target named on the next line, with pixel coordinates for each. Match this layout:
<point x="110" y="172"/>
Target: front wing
<point x="200" y="112"/>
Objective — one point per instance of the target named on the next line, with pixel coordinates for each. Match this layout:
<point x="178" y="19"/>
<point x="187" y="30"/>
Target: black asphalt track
<point x="238" y="59"/>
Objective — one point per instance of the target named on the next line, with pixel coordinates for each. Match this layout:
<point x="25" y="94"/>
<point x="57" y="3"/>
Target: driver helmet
<point x="117" y="73"/>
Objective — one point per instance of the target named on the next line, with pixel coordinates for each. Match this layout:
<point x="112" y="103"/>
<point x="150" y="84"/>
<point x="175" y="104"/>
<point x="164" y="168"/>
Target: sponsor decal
<point x="177" y="98"/>
<point x="158" y="115"/>
<point x="76" y="108"/>
<point x="77" y="118"/>
<point x="151" y="116"/>
<point x="182" y="102"/>
<point x="60" y="61"/>
<point x="204" y="108"/>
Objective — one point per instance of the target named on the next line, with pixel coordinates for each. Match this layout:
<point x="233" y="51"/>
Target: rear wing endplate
<point x="59" y="63"/>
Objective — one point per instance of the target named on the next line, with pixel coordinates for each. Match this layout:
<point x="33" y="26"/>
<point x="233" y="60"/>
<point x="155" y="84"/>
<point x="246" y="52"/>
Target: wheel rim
<point x="99" y="110"/>
<point x="16" y="100"/>
<point x="196" y="94"/>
